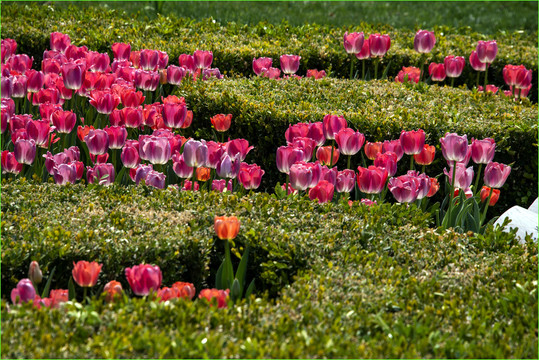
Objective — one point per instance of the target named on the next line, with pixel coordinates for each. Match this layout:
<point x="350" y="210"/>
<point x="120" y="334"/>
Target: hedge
<point x="263" y="109"/>
<point x="234" y="45"/>
<point x="370" y="282"/>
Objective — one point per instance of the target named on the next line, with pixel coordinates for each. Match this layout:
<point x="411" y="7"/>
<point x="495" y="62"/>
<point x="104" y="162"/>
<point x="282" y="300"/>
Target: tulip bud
<point x="34" y="273"/>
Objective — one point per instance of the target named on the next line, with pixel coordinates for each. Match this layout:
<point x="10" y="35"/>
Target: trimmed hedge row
<point x="263" y="109"/>
<point x="234" y="45"/>
<point x="373" y="282"/>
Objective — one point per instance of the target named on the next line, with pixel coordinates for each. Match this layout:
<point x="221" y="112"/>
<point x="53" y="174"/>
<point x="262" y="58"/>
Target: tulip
<point x="475" y="63"/>
<point x="215" y="153"/>
<point x="412" y="142"/>
<point x="221" y="122"/>
<point x="316" y="132"/>
<point x="155" y="179"/>
<point x="307" y="145"/>
<point x="131" y="117"/>
<point x="454" y="147"/>
<point x="113" y="289"/>
<point x="379" y="44"/>
<point x="330" y="175"/>
<point x="65" y="173"/>
<point x="286" y="157"/>
<point x="4" y="120"/>
<point x="482" y="151"/>
<point x="20" y="83"/>
<point x="34" y="273"/>
<point x="434" y="187"/>
<point x="117" y="136"/>
<point x="423" y="183"/>
<point x="186" y="290"/>
<point x="388" y="160"/>
<point x="454" y="65"/>
<point x="485" y="191"/>
<point x="238" y="147"/>
<point x="49" y="95"/>
<point x="174" y="115"/>
<point x="162" y="61"/>
<point x="20" y="63"/>
<point x="226" y="228"/>
<point x="144" y="278"/>
<point x="97" y="141"/>
<point x="353" y="42"/>
<point x="82" y="131"/>
<point x="221" y="296"/>
<point x="523" y="78"/>
<point x="188" y="62"/>
<point x="175" y="74"/>
<point x="195" y="153"/>
<point x="97" y="62"/>
<point x="349" y="141"/>
<point x="314" y="73"/>
<point x="426" y="156"/>
<point x="345" y="181"/>
<point x="371" y="180"/>
<point x="140" y="172"/>
<point x="35" y="80"/>
<point x="73" y="75"/>
<point x="24" y="292"/>
<point x="146" y="80"/>
<point x="250" y="176"/>
<point x="59" y="41"/>
<point x="103" y="174"/>
<point x="121" y="51"/>
<point x="188" y="186"/>
<point x="261" y="64"/>
<point x="403" y="188"/>
<point x="6" y="87"/>
<point x="365" y="52"/>
<point x="85" y="273"/>
<point x="424" y="41"/>
<point x="332" y="124"/>
<point x="490" y="88"/>
<point x="134" y="58"/>
<point x="510" y="74"/>
<point x="463" y="176"/>
<point x="411" y="73"/>
<point x="437" y="72"/>
<point x="228" y="167"/>
<point x="64" y="121"/>
<point x="51" y="66"/>
<point x="38" y="130"/>
<point x="58" y="296"/>
<point x="300" y="176"/>
<point x="155" y="149"/>
<point x="296" y="130"/>
<point x="371" y="149"/>
<point x="496" y="174"/>
<point x="221" y="185"/>
<point x="486" y="51"/>
<point x="208" y="73"/>
<point x="323" y="192"/>
<point x="272" y="73"/>
<point x="132" y="99"/>
<point x="394" y="146"/>
<point x="149" y="59"/>
<point x="203" y="59"/>
<point x="130" y="157"/>
<point x="188" y="120"/>
<point x="290" y="63"/>
<point x="104" y="101"/>
<point x="324" y="155"/>
<point x="25" y="151"/>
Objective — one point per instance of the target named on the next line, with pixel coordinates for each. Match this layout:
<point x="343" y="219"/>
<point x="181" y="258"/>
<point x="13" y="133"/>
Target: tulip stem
<point x="477" y="81"/>
<point x="513" y="91"/>
<point x="423" y="169"/>
<point x="351" y="66"/>
<point x="422" y="66"/>
<point x="193" y="179"/>
<point x="486" y="78"/>
<point x="411" y="162"/>
<point x="452" y="82"/>
<point x="376" y="69"/>
<point x="84" y="294"/>
<point x="476" y="184"/>
<point x="363" y="69"/>
<point x="484" y="215"/>
<point x="286" y="184"/>
<point x="348" y="162"/>
<point x="451" y="195"/>
<point x="331" y="158"/>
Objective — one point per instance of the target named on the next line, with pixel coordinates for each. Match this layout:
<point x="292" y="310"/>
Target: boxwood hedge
<point x="263" y="109"/>
<point x="368" y="282"/>
<point x="234" y="45"/>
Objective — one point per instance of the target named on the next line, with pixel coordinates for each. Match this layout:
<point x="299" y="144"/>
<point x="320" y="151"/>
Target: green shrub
<point x="374" y="282"/>
<point x="234" y="45"/>
<point x="263" y="109"/>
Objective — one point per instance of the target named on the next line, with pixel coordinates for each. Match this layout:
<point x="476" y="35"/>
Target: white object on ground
<point x="533" y="207"/>
<point x="525" y="220"/>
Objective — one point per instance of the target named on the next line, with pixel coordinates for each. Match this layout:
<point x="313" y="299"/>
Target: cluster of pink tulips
<point x="263" y="67"/>
<point x="128" y="130"/>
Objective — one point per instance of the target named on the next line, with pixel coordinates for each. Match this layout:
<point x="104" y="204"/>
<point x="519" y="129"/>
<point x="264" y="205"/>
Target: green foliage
<point x="235" y="44"/>
<point x="263" y="109"/>
<point x="378" y="277"/>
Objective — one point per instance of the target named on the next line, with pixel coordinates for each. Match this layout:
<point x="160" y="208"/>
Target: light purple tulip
<point x="496" y="174"/>
<point x="97" y="141"/>
<point x="454" y="147"/>
<point x="482" y="151"/>
<point x="155" y="149"/>
<point x="25" y="151"/>
<point x="404" y="188"/>
<point x="195" y="153"/>
<point x="228" y="167"/>
<point x="300" y="176"/>
<point x="102" y="174"/>
<point x="346" y="180"/>
<point x="463" y="176"/>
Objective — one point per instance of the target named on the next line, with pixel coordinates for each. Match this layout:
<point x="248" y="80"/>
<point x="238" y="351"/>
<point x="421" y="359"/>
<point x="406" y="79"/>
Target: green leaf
<point x="250" y="288"/>
<point x="242" y="268"/>
<point x="45" y="292"/>
<point x="218" y="277"/>
<point x="384" y="75"/>
<point x="71" y="289"/>
<point x="120" y="176"/>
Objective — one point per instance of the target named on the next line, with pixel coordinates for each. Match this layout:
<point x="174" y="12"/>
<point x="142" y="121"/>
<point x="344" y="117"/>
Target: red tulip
<point x="424" y="41"/>
<point x="353" y="42"/>
<point x="349" y="141"/>
<point x="24" y="292"/>
<point x="379" y="44"/>
<point x="85" y="273"/>
<point x="113" y="289"/>
<point x="371" y="149"/>
<point x="250" y="176"/>
<point x="132" y="117"/>
<point x="496" y="174"/>
<point x="82" y="131"/>
<point x="437" y="72"/>
<point x="59" y="41"/>
<point x="185" y="289"/>
<point x="146" y="80"/>
<point x="50" y="95"/>
<point x="426" y="156"/>
<point x="475" y="63"/>
<point x="221" y="296"/>
<point x="144" y="278"/>
<point x="323" y="192"/>
<point x="523" y="78"/>
<point x="290" y="63"/>
<point x="371" y="180"/>
<point x="485" y="191"/>
<point x="454" y="65"/>
<point x="411" y="73"/>
<point x="149" y="59"/>
<point x="121" y="51"/>
<point x="203" y="59"/>
<point x="482" y="151"/>
<point x="332" y="124"/>
<point x="434" y="187"/>
<point x="104" y="101"/>
<point x="412" y="142"/>
<point x="314" y="73"/>
<point x="486" y="51"/>
<point x="454" y="147"/>
<point x="388" y="160"/>
<point x="64" y="121"/>
<point x="221" y="122"/>
<point x="261" y="65"/>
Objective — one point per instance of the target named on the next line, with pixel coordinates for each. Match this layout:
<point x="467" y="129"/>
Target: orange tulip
<point x="426" y="156"/>
<point x="85" y="273"/>
<point x="186" y="289"/>
<point x="494" y="197"/>
<point x="221" y="122"/>
<point x="113" y="289"/>
<point x="203" y="173"/>
<point x="227" y="228"/>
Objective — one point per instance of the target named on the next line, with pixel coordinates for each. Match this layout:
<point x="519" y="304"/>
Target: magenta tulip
<point x="174" y="114"/>
<point x="132" y="117"/>
<point x="323" y="192"/>
<point x="155" y="179"/>
<point x="379" y="44"/>
<point x="238" y="147"/>
<point x="121" y="51"/>
<point x="475" y="63"/>
<point x="203" y="59"/>
<point x="7" y="87"/>
<point x="345" y="181"/>
<point x="73" y="75"/>
<point x="155" y="149"/>
<point x="272" y="73"/>
<point x="394" y="146"/>
<point x="65" y="173"/>
<point x="332" y="124"/>
<point x="180" y="167"/>
<point x="365" y="52"/>
<point x="286" y="157"/>
<point x="371" y="180"/>
<point x="102" y="174"/>
<point x="175" y="74"/>
<point x="296" y="130"/>
<point x="454" y="65"/>
<point x="353" y="42"/>
<point x="149" y="59"/>
<point x="300" y="176"/>
<point x="20" y="82"/>
<point x="290" y="63"/>
<point x="388" y="160"/>
<point x="187" y="61"/>
<point x="454" y="147"/>
<point x="20" y="63"/>
<point x="349" y="141"/>
<point x="424" y="41"/>
<point x="261" y="65"/>
<point x="482" y="151"/>
<point x="404" y="188"/>
<point x="117" y="136"/>
<point x="24" y="292"/>
<point x="496" y="174"/>
<point x="523" y="78"/>
<point x="104" y="101"/>
<point x="36" y="79"/>
<point x="64" y="121"/>
<point x="25" y="151"/>
<point x="59" y="41"/>
<point x="146" y="80"/>
<point x="144" y="278"/>
<point x="130" y="157"/>
<point x="412" y="142"/>
<point x="97" y="141"/>
<point x="250" y="176"/>
<point x="486" y="51"/>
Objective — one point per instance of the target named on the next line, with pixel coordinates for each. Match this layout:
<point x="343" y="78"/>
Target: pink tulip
<point x="228" y="167"/>
<point x="404" y="188"/>
<point x="412" y="142"/>
<point x="523" y="78"/>
<point x="496" y="174"/>
<point x="387" y="160"/>
<point x="117" y="136"/>
<point x="195" y="153"/>
<point x="180" y="167"/>
<point x="140" y="172"/>
<point x="130" y="157"/>
<point x="99" y="159"/>
<point x="371" y="180"/>
<point x="175" y="74"/>
<point x="132" y="117"/>
<point x="486" y="51"/>
<point x="24" y="292"/>
<point x="290" y="63"/>
<point x="454" y="147"/>
<point x="144" y="278"/>
<point x="238" y="147"/>
<point x="25" y="151"/>
<point x="330" y="175"/>
<point x="272" y="73"/>
<point x="286" y="157"/>
<point x="51" y="66"/>
<point x="20" y="63"/>
<point x="65" y="173"/>
<point x="203" y="59"/>
<point x="424" y="41"/>
<point x="490" y="88"/>
<point x="49" y="95"/>
<point x="65" y="93"/>
<point x="475" y="63"/>
<point x="314" y="73"/>
<point x="332" y="124"/>
<point x="146" y="80"/>
<point x="162" y="61"/>
<point x="379" y="44"/>
<point x="349" y="141"/>
<point x="296" y="130"/>
<point x="174" y="115"/>
<point x="38" y="130"/>
<point x="316" y="132"/>
<point x="454" y="65"/>
<point x="97" y="141"/>
<point x="10" y="164"/>
<point x="261" y="64"/>
<point x="64" y="121"/>
<point x="463" y="176"/>
<point x="121" y="51"/>
<point x="215" y="152"/>
<point x="510" y="74"/>
<point x="104" y="101"/>
<point x="103" y="174"/>
<point x="423" y="183"/>
<point x="155" y="149"/>
<point x="4" y="118"/>
<point x="187" y="61"/>
<point x="307" y="145"/>
<point x="250" y="176"/>
<point x="36" y="79"/>
<point x="73" y="75"/>
<point x="97" y="62"/>
<point x="394" y="146"/>
<point x="345" y="181"/>
<point x="149" y="59"/>
<point x="483" y="150"/>
<point x="365" y="52"/>
<point x="300" y="176"/>
<point x="59" y="41"/>
<point x="7" y="87"/>
<point x="20" y="82"/>
<point x="353" y="42"/>
<point x="437" y="72"/>
<point x="155" y="179"/>
<point x="323" y="192"/>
